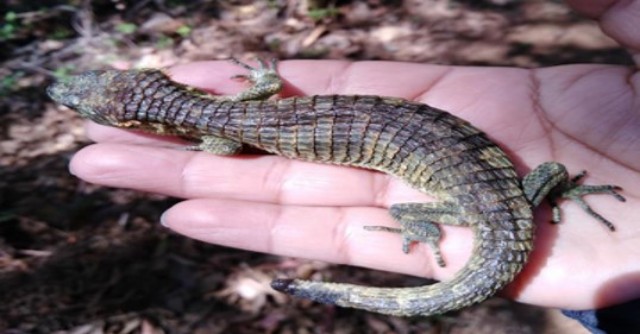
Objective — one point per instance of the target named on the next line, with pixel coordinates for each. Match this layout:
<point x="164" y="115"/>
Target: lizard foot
<point x="417" y="224"/>
<point x="425" y="232"/>
<point x="551" y="180"/>
<point x="264" y="79"/>
<point x="574" y="191"/>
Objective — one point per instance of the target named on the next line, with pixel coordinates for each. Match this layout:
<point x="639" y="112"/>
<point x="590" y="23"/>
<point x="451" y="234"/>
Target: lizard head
<point x="93" y="94"/>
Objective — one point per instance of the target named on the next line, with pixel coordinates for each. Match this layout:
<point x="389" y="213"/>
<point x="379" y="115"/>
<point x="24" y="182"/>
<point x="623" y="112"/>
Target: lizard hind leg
<point x="551" y="181"/>
<point x="417" y="221"/>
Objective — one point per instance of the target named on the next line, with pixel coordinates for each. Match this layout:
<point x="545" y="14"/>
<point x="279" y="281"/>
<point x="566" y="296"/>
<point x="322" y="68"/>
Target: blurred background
<point x="78" y="258"/>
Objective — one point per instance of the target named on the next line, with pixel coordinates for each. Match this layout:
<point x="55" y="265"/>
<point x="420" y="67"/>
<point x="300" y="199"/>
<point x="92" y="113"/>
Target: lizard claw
<point x="240" y="77"/>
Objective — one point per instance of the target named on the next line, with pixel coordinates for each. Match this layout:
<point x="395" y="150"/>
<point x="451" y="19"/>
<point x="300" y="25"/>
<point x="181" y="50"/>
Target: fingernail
<point x="163" y="220"/>
<point x="71" y="166"/>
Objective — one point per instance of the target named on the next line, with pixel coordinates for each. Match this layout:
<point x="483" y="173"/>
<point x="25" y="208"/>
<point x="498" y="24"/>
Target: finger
<point x="337" y="235"/>
<point x="336" y="77"/>
<point x="482" y="104"/>
<point x="255" y="178"/>
<point x="618" y="20"/>
<point x="366" y="77"/>
<point x="327" y="234"/>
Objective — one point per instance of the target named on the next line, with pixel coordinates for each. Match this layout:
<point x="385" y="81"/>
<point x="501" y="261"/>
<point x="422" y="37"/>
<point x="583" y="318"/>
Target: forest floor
<point x="78" y="258"/>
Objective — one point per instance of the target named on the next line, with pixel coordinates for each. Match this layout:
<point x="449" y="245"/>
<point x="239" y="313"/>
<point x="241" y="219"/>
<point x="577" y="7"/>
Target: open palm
<point x="583" y="116"/>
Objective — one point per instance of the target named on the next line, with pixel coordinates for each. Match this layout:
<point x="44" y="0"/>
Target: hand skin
<point x="584" y="116"/>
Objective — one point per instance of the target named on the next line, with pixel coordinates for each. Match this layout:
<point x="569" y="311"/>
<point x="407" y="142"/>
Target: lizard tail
<point x="492" y="266"/>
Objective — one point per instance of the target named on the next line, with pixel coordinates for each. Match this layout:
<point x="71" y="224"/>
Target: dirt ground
<point x="78" y="258"/>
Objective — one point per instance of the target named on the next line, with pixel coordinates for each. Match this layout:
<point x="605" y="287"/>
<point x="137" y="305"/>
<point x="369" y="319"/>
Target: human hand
<point x="581" y="115"/>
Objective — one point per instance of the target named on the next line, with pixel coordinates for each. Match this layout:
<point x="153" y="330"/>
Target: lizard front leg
<point x="264" y="79"/>
<point x="265" y="83"/>
<point x="217" y="145"/>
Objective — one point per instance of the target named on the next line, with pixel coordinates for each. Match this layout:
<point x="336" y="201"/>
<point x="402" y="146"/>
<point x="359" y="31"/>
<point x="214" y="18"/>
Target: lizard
<point x="430" y="149"/>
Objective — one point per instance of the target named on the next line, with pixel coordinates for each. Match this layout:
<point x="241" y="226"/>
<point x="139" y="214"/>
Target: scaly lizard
<point x="430" y="149"/>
